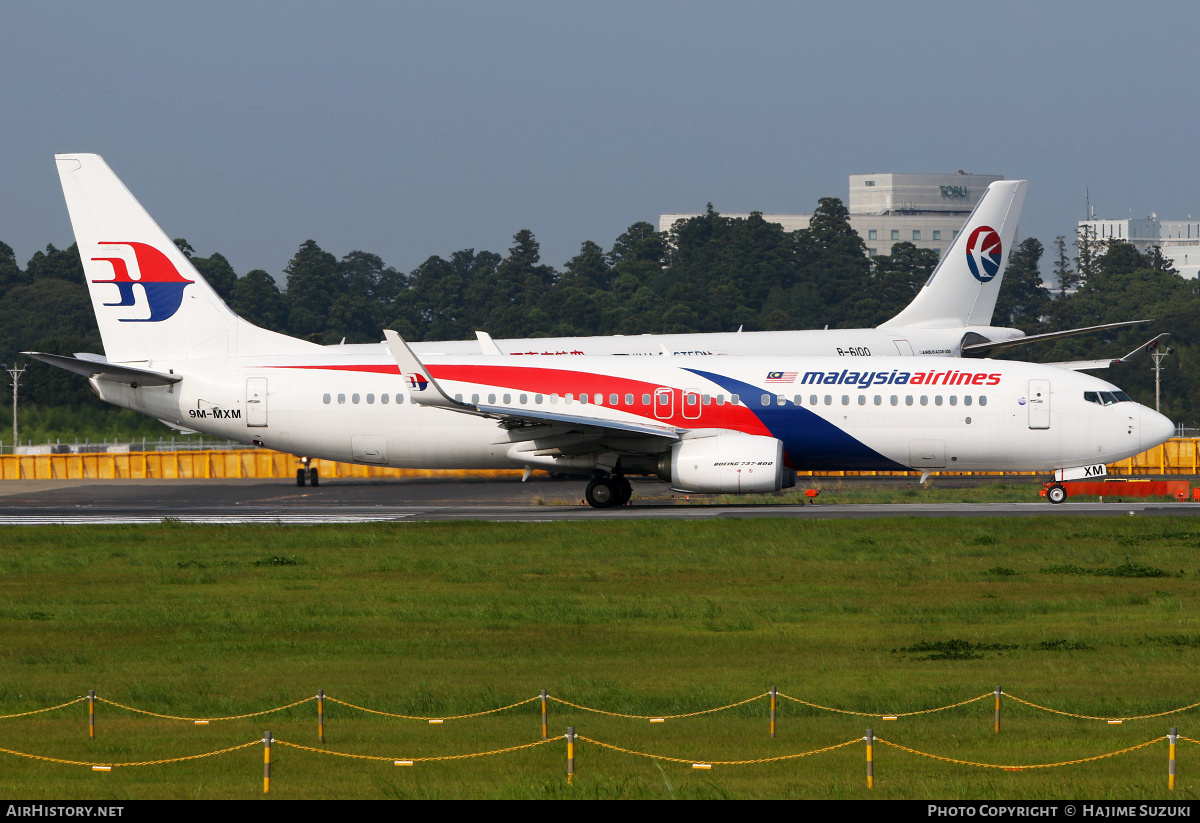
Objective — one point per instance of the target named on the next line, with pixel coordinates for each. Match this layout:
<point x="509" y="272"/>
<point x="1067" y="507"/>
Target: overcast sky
<point x="414" y="129"/>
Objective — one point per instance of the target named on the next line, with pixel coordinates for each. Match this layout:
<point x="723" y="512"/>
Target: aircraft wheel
<point x="314" y="479"/>
<point x="1056" y="494"/>
<point x="299" y="477"/>
<point x="625" y="488"/>
<point x="602" y="493"/>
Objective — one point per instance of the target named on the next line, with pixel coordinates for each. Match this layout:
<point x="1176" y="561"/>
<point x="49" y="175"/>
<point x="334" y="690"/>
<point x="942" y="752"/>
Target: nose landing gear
<point x="309" y="472"/>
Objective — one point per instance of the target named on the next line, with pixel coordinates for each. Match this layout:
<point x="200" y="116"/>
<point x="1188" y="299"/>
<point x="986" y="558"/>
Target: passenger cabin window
<point x="829" y="400"/>
<point x="583" y="398"/>
<point x="908" y="400"/>
<point x="341" y="398"/>
<point x="766" y="399"/>
<point x="599" y="400"/>
<point x="862" y="400"/>
<point x="326" y="399"/>
<point x="954" y="400"/>
<point x="812" y="401"/>
<point x="845" y="400"/>
<point x="507" y="399"/>
<point x="354" y="398"/>
<point x="735" y="399"/>
<point x="924" y="400"/>
<point x="491" y="398"/>
<point x="613" y="400"/>
<point x="645" y="400"/>
<point x="878" y="400"/>
<point x="629" y="400"/>
<point x="895" y="399"/>
<point x="967" y="400"/>
<point x="474" y="399"/>
<point x="400" y="398"/>
<point x="524" y="399"/>
<point x="384" y="398"/>
<point x="983" y="399"/>
<point x="457" y="398"/>
<point x="937" y="400"/>
<point x="371" y="399"/>
<point x="537" y="398"/>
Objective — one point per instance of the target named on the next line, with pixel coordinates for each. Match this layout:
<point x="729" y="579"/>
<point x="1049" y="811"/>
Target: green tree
<point x="257" y="298"/>
<point x="58" y="264"/>
<point x="1089" y="248"/>
<point x="314" y="282"/>
<point x="1066" y="277"/>
<point x="11" y="275"/>
<point x="219" y="274"/>
<point x="1023" y="298"/>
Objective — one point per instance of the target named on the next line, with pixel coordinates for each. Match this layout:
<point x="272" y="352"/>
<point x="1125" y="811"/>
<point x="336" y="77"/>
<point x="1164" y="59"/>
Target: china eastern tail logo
<point x="161" y="282"/>
<point x="983" y="253"/>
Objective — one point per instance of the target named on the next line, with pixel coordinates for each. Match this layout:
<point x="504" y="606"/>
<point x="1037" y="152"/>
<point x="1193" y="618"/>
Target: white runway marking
<point x="51" y="519"/>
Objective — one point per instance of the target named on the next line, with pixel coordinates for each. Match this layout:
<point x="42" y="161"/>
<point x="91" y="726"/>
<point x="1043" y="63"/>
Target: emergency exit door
<point x="256" y="401"/>
<point x="1039" y="404"/>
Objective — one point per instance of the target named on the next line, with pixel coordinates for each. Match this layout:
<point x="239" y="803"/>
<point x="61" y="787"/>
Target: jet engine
<point x="726" y="464"/>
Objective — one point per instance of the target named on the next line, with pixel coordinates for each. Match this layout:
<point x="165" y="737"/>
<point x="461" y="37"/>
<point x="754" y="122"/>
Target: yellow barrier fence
<point x="572" y="738"/>
<point x="1180" y="455"/>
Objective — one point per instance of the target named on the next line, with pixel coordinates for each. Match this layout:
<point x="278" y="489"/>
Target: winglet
<point x="487" y="345"/>
<point x="424" y="389"/>
<point x="1140" y="353"/>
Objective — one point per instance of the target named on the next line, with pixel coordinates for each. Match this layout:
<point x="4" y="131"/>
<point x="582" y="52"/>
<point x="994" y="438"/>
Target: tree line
<point x="708" y="273"/>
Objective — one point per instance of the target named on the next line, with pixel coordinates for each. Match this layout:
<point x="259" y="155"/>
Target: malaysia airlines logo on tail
<point x="983" y="253"/>
<point x="417" y="382"/>
<point x="161" y="282"/>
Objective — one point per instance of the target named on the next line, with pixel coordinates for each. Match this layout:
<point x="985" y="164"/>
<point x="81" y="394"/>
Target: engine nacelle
<point x="726" y="464"/>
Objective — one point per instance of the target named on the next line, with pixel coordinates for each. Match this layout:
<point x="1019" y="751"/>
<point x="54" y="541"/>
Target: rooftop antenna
<point x="1087" y="200"/>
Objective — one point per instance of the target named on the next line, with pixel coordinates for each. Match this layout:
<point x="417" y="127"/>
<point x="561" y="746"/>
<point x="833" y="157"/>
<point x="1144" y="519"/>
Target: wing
<point x="1140" y="353"/>
<point x="428" y="392"/>
<point x="104" y="370"/>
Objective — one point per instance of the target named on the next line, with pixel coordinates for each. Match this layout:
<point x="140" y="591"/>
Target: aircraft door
<point x="664" y="403"/>
<point x="903" y="347"/>
<point x="1039" y="404"/>
<point x="691" y="404"/>
<point x="256" y="401"/>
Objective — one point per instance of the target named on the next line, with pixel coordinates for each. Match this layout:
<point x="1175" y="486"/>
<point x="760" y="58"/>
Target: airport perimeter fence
<point x="572" y="738"/>
<point x="1178" y="456"/>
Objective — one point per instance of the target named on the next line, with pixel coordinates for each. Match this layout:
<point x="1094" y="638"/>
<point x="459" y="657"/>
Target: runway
<point x="67" y="502"/>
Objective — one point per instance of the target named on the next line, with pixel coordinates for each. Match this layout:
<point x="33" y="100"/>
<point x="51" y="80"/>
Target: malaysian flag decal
<point x="781" y="377"/>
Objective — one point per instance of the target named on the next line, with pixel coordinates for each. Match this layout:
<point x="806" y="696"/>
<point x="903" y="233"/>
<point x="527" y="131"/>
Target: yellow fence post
<point x="773" y="693"/>
<point x="321" y="714"/>
<point x="570" y="755"/>
<point x="545" y="728"/>
<point x="870" y="738"/>
<point x="266" y="762"/>
<point x="999" y="692"/>
<point x="91" y="713"/>
<point x="1173" y="736"/>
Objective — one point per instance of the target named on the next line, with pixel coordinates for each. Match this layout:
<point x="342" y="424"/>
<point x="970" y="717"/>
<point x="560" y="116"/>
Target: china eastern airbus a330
<point x="174" y="351"/>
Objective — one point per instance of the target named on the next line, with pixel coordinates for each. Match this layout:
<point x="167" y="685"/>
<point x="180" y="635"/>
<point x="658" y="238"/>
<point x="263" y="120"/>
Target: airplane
<point x="175" y="351"/>
<point x="949" y="317"/>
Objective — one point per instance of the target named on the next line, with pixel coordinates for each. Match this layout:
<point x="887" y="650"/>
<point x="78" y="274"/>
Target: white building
<point x="927" y="210"/>
<point x="1179" y="239"/>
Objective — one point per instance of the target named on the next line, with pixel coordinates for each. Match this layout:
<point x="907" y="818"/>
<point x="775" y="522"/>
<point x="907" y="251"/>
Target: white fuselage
<point x="925" y="413"/>
<point x="849" y="344"/>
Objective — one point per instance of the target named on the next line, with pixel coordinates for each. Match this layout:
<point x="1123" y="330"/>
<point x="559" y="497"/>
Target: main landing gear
<point x="607" y="492"/>
<point x="1055" y="493"/>
<point x="314" y="479"/>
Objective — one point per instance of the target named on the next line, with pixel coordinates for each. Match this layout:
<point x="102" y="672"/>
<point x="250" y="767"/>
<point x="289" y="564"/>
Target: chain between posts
<point x="279" y="742"/>
<point x="207" y="719"/>
<point x="1015" y="768"/>
<point x="141" y="763"/>
<point x="1093" y="717"/>
<point x="718" y="762"/>
<point x="438" y="719"/>
<point x="654" y="717"/>
<point x="47" y="709"/>
<point x="885" y="716"/>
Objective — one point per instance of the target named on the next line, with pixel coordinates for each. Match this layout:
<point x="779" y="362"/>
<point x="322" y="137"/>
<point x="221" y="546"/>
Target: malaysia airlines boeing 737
<point x="173" y="350"/>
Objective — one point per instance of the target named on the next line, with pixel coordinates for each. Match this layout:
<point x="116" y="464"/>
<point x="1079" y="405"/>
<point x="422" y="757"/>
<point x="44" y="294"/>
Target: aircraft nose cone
<point x="1155" y="429"/>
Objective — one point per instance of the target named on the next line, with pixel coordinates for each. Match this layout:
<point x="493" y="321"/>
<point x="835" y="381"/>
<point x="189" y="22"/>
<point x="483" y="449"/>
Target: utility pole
<point x="1157" y="356"/>
<point x="15" y="372"/>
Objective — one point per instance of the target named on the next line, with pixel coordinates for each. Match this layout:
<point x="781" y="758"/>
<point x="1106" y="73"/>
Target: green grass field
<point x="1089" y="615"/>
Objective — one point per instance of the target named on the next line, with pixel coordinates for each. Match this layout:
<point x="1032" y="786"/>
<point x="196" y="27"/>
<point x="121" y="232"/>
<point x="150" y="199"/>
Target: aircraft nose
<point x="1155" y="428"/>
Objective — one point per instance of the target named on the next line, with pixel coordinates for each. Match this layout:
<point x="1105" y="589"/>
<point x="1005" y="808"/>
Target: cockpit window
<point x="1106" y="398"/>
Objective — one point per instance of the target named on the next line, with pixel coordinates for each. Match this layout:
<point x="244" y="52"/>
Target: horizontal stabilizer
<point x="991" y="348"/>
<point x="106" y="371"/>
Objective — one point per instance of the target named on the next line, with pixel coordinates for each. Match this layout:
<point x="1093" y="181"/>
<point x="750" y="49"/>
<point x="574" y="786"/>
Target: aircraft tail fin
<point x="962" y="290"/>
<point x="150" y="302"/>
